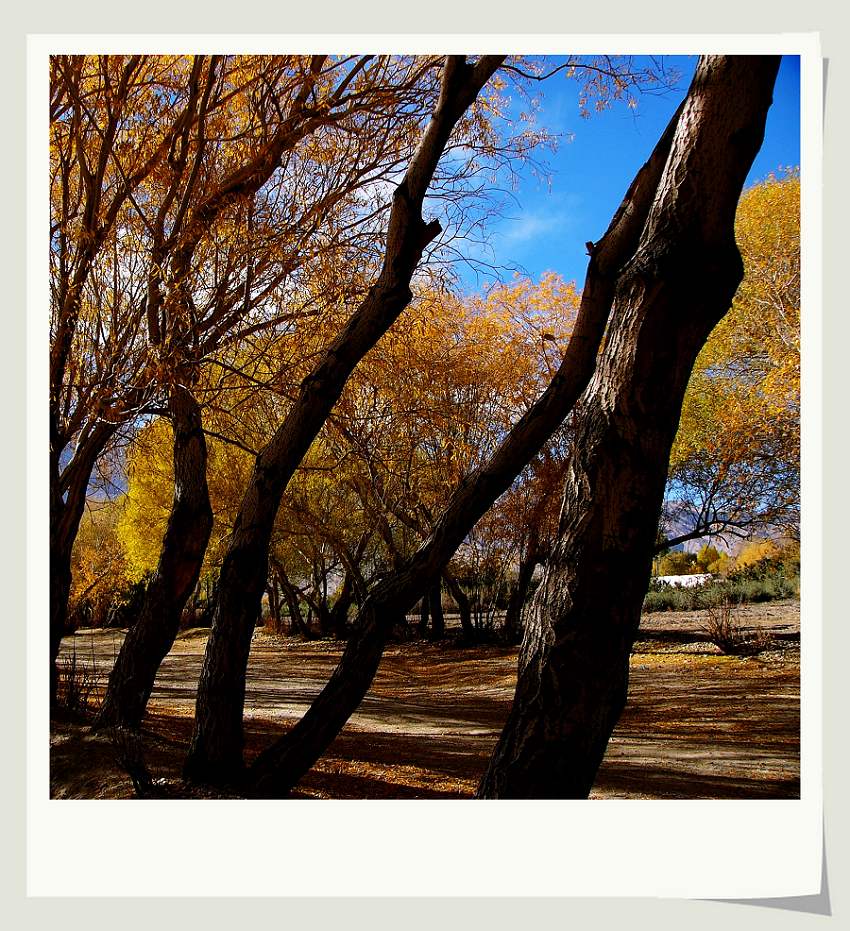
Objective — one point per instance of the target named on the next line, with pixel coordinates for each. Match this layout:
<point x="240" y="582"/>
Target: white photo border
<point x="679" y="848"/>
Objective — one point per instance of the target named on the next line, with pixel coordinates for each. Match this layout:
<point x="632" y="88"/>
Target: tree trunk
<point x="181" y="557"/>
<point x="67" y="503"/>
<point x="60" y="591"/>
<point x="438" y="621"/>
<point x="274" y="603"/>
<point x="574" y="662"/>
<point x="463" y="606"/>
<point x="278" y="769"/>
<point x="297" y="624"/>
<point x="424" y="616"/>
<point x="519" y="592"/>
<point x="215" y="754"/>
<point x="339" y="612"/>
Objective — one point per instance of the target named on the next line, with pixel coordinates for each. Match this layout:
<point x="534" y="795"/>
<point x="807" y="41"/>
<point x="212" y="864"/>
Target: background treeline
<point x="422" y="410"/>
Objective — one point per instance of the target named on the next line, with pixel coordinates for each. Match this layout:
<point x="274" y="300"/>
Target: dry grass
<point x="79" y="684"/>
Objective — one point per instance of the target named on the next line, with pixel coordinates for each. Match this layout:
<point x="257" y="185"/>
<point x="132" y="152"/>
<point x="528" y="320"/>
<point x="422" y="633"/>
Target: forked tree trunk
<point x="277" y="769"/>
<point x="297" y="625"/>
<point x="181" y="557"/>
<point x="463" y="606"/>
<point x="215" y="754"/>
<point x="274" y="603"/>
<point x="574" y="662"/>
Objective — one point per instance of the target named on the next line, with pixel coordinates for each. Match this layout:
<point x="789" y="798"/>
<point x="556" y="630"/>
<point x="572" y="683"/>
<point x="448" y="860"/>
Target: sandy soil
<point x="698" y="724"/>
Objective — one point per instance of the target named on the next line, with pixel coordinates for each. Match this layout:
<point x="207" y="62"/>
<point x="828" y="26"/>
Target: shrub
<point x="723" y="630"/>
<point x="670" y="598"/>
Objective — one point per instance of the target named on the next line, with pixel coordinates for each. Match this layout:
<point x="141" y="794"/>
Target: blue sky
<point x="546" y="226"/>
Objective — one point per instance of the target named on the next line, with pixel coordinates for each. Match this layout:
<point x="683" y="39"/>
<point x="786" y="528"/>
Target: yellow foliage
<point x="98" y="563"/>
<point x="754" y="552"/>
<point x="740" y="425"/>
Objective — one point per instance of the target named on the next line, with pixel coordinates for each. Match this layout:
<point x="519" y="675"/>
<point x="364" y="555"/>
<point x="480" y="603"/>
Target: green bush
<point x="671" y="598"/>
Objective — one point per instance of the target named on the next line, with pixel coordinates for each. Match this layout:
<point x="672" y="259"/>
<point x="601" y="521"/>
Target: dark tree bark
<point x="339" y="612"/>
<point x="438" y="620"/>
<point x="278" y="768"/>
<point x="424" y="615"/>
<point x="181" y="557"/>
<point x="573" y="667"/>
<point x="274" y="602"/>
<point x="297" y="624"/>
<point x="215" y="754"/>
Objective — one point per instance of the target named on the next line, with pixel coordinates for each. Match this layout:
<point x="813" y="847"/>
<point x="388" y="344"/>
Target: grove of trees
<point x="259" y="347"/>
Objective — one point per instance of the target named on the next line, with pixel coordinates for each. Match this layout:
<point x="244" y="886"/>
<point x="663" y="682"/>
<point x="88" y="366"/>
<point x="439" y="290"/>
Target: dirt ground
<point x="698" y="724"/>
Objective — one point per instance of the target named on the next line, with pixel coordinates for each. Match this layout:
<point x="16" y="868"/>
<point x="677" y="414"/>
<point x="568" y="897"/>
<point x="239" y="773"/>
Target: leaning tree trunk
<point x="186" y="536"/>
<point x="574" y="662"/>
<point x="278" y="768"/>
<point x="215" y="753"/>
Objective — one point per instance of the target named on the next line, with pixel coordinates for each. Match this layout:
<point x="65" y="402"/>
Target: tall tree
<point x="573" y="667"/>
<point x="110" y="131"/>
<point x="187" y="195"/>
<point x="282" y="764"/>
<point x="216" y="750"/>
<point x="195" y="259"/>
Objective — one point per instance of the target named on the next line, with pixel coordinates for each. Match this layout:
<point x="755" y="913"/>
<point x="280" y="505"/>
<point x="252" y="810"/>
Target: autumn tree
<point x="573" y="666"/>
<point x="98" y="563"/>
<point x="434" y="399"/>
<point x="283" y="763"/>
<point x="206" y="289"/>
<point x="646" y="266"/>
<point x="735" y="465"/>
<point x="216" y="750"/>
<point x="109" y="130"/>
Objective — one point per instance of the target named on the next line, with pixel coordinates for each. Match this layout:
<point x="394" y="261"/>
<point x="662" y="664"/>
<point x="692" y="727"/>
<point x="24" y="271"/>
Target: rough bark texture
<point x="573" y="666"/>
<point x="278" y="769"/>
<point x="215" y="754"/>
<point x="180" y="560"/>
